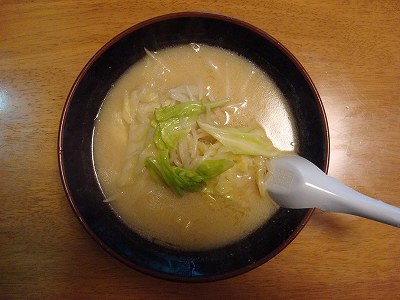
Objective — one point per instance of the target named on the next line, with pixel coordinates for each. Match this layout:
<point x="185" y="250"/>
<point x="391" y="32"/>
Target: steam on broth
<point x="172" y="141"/>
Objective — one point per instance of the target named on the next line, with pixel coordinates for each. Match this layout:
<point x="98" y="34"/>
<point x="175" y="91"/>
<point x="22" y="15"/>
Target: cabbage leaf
<point x="180" y="179"/>
<point x="242" y="141"/>
<point x="173" y="122"/>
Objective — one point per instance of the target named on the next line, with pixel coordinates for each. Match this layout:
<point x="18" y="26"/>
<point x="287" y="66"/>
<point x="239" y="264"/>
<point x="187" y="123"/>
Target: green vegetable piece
<point x="159" y="172"/>
<point x="185" y="109"/>
<point x="176" y="178"/>
<point x="242" y="141"/>
<point x="174" y="129"/>
<point x="158" y="140"/>
<point x="178" y="110"/>
<point x="211" y="168"/>
<point x="188" y="180"/>
<point x="173" y="122"/>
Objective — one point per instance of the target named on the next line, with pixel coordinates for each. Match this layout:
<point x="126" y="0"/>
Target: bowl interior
<point x="76" y="137"/>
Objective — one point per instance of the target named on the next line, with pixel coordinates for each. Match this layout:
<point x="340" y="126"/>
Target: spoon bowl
<point x="294" y="182"/>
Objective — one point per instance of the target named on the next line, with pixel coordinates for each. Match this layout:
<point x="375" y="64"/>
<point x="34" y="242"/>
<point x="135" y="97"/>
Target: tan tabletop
<point x="351" y="51"/>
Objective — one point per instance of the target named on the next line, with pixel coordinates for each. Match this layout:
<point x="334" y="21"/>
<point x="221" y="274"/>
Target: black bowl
<point x="76" y="139"/>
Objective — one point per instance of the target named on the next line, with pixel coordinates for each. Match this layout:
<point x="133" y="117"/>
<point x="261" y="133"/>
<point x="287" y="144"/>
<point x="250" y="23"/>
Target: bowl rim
<point x="109" y="44"/>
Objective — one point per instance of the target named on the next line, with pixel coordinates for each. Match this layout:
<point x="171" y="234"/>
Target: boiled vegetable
<point x="242" y="141"/>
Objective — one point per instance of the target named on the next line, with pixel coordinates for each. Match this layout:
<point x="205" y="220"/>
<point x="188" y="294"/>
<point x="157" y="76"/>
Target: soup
<point x="180" y="145"/>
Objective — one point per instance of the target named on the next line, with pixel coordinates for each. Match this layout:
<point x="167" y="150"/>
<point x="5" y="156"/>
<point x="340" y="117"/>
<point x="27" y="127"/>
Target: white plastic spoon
<point x="295" y="182"/>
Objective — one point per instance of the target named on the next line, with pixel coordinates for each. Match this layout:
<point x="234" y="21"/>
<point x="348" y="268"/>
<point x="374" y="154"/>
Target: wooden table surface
<point x="351" y="51"/>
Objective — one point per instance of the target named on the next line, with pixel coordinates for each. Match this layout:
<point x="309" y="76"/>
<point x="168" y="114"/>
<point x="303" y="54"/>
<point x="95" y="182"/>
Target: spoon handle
<point x="342" y="198"/>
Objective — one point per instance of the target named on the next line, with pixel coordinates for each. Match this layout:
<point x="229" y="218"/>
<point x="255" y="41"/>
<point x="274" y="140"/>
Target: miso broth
<point x="231" y="205"/>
